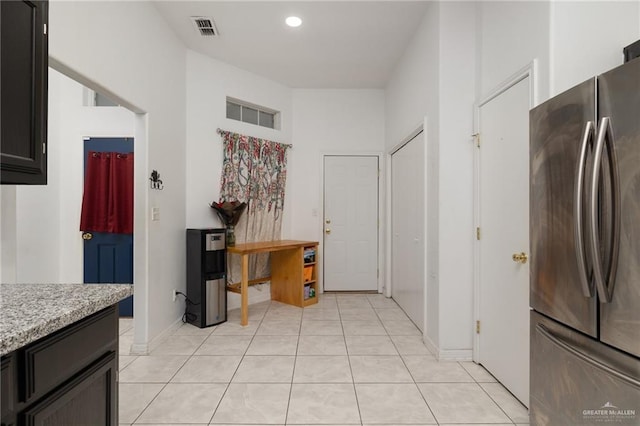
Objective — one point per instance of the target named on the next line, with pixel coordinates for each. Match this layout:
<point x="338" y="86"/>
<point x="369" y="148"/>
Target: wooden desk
<point x="287" y="272"/>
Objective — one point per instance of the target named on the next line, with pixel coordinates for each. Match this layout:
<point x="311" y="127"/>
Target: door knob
<point x="520" y="257"/>
<point x="328" y="221"/>
<point x="87" y="235"/>
<point x="327" y="231"/>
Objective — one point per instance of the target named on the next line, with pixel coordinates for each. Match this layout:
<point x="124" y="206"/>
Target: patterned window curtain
<point x="254" y="171"/>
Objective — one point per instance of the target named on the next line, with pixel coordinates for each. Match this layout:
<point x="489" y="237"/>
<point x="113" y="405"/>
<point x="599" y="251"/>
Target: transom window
<point x="253" y="114"/>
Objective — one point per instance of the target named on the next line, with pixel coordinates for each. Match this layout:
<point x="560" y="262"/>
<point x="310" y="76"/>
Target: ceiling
<point x="340" y="44"/>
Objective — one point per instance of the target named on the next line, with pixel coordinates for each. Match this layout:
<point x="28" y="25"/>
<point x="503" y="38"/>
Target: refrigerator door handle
<point x="586" y="358"/>
<point x="605" y="288"/>
<point x="578" y="203"/>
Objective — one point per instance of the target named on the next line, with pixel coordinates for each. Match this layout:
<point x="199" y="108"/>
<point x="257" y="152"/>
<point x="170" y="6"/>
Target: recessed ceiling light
<point x="293" y="21"/>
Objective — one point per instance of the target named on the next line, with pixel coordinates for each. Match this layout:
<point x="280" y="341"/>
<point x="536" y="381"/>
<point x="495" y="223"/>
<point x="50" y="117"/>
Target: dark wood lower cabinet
<point x="8" y="391"/>
<point x="89" y="399"/>
<point x="68" y="378"/>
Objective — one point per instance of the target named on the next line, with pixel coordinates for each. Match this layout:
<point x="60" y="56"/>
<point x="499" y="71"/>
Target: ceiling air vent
<point x="205" y="26"/>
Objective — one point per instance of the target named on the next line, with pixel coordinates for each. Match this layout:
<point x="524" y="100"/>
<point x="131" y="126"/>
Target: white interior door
<point x="350" y="223"/>
<point x="504" y="231"/>
<point x="407" y="229"/>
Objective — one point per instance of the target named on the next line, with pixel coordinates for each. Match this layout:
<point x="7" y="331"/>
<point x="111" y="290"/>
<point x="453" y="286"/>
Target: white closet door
<point x="408" y="223"/>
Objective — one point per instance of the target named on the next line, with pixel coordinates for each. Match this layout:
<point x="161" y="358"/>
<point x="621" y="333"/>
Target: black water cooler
<point x="206" y="277"/>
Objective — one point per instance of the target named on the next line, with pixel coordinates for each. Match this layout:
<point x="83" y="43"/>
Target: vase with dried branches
<point x="229" y="213"/>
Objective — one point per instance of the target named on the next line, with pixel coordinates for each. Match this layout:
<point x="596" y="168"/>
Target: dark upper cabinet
<point x="23" y="92"/>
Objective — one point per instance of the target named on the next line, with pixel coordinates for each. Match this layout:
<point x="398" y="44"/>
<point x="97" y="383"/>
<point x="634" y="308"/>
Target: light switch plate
<point x="155" y="214"/>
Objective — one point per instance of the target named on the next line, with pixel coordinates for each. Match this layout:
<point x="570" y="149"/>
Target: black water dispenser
<point x="206" y="277"/>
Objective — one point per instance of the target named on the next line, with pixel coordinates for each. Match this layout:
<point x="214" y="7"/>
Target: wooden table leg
<point x="244" y="289"/>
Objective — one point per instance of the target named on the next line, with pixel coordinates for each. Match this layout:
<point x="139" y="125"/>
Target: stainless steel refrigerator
<point x="585" y="253"/>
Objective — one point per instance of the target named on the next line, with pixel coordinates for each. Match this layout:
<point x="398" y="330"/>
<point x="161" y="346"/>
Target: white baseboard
<point x="147" y="348"/>
<point x="139" y="349"/>
<point x="430" y="345"/>
<point x="448" y="354"/>
<point x="455" y="355"/>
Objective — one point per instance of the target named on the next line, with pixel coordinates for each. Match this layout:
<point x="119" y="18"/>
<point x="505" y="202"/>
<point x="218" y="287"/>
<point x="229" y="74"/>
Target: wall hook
<point x="156" y="182"/>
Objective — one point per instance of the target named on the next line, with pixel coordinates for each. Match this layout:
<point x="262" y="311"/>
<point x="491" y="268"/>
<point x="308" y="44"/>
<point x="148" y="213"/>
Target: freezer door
<point x="560" y="270"/>
<point x="576" y="380"/>
<point x="619" y="100"/>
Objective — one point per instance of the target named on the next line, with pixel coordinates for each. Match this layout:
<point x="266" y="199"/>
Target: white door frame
<point x="381" y="193"/>
<point x="141" y="341"/>
<point x="530" y="71"/>
<point x="422" y="128"/>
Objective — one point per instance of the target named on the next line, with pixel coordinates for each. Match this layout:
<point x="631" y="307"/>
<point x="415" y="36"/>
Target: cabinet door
<point x="89" y="399"/>
<point x="23" y="91"/>
<point x="7" y="390"/>
<point x="54" y="359"/>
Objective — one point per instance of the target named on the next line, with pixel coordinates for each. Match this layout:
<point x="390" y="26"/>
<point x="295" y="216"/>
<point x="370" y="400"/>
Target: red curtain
<point x="107" y="203"/>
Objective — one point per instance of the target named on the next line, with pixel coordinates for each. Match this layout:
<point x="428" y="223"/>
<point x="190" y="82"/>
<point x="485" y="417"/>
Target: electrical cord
<point x="188" y="317"/>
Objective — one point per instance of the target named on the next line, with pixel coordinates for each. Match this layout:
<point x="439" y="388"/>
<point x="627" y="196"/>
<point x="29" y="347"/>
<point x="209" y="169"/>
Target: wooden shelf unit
<point x="313" y="282"/>
<point x="287" y="276"/>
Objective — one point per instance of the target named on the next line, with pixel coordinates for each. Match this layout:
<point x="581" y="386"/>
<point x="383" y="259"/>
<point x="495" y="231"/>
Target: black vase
<point x="231" y="236"/>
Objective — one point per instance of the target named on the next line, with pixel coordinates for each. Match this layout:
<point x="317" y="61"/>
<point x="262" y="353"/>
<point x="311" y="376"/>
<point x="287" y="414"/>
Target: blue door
<point x="108" y="258"/>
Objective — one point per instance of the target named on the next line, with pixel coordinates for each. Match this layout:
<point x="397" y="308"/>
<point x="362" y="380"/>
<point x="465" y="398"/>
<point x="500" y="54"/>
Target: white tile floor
<point x="349" y="360"/>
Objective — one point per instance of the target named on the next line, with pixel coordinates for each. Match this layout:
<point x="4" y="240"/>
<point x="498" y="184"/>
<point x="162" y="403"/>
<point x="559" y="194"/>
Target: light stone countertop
<point x="31" y="311"/>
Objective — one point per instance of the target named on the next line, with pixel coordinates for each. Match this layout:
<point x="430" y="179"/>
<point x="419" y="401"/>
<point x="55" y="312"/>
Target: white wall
<point x="209" y="82"/>
<point x="50" y="238"/>
<point x="8" y="237"/>
<point x="572" y="41"/>
<point x="412" y="92"/>
<point x="126" y="50"/>
<point x="456" y="226"/>
<point x="436" y="78"/>
<point x="38" y="227"/>
<point x="511" y="35"/>
<point x="588" y="37"/>
<point x="328" y="122"/>
<point x="411" y="95"/>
